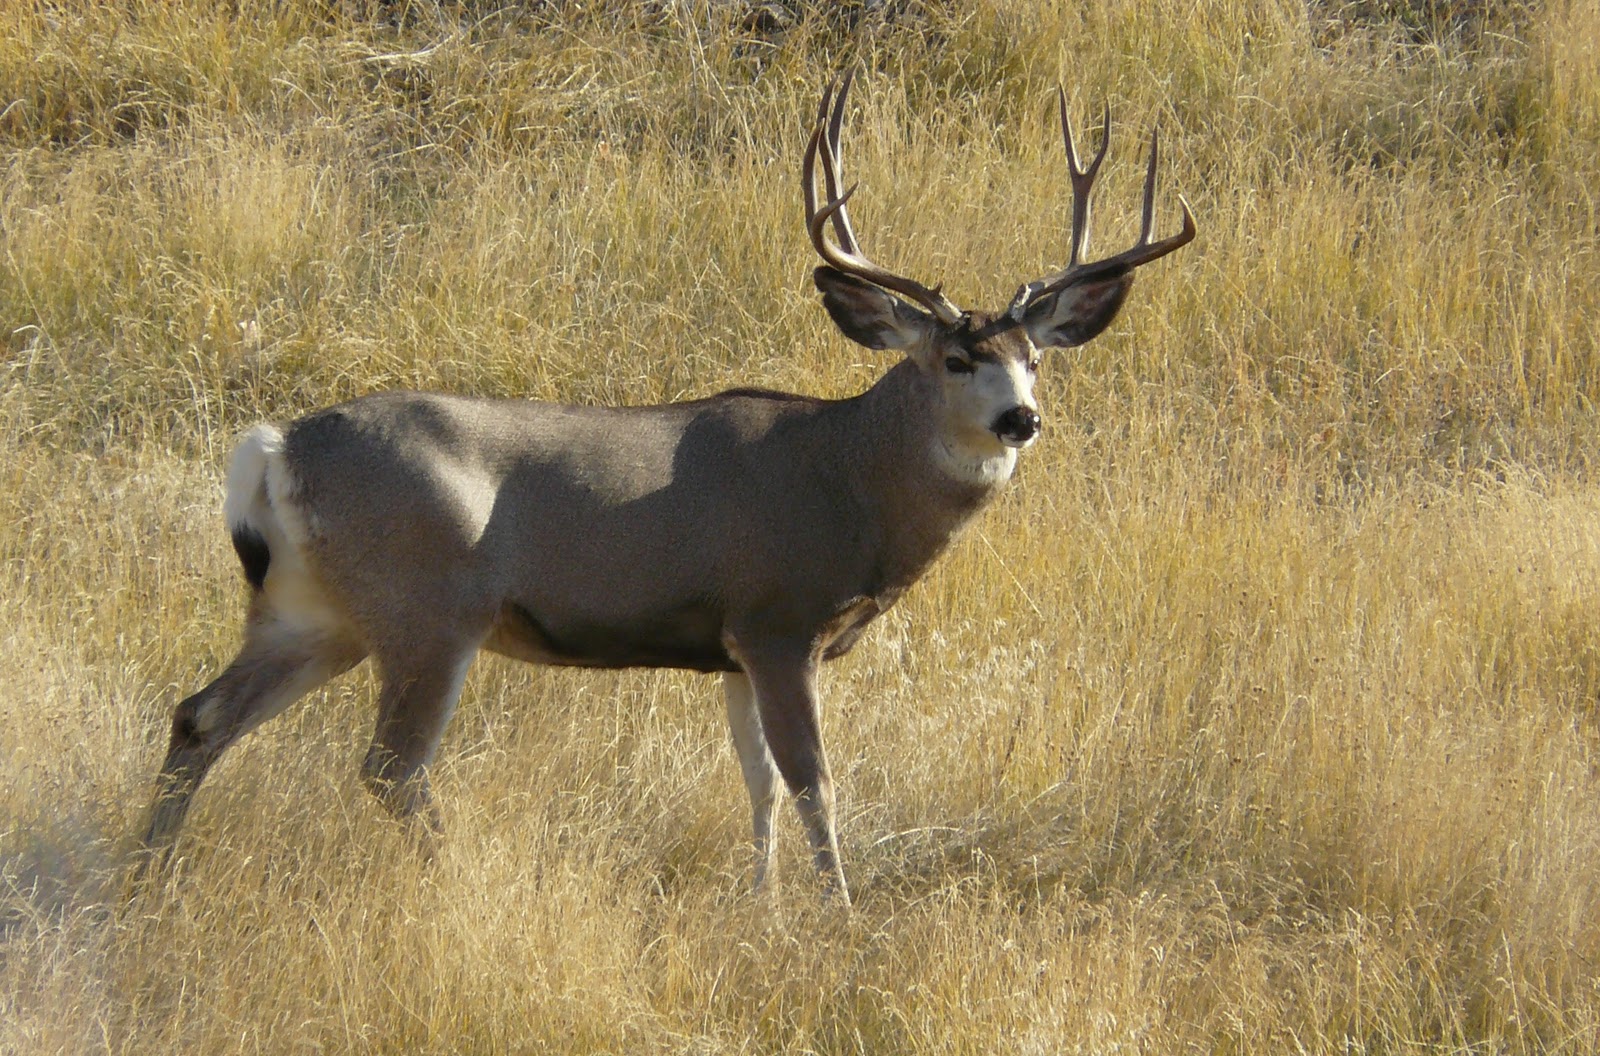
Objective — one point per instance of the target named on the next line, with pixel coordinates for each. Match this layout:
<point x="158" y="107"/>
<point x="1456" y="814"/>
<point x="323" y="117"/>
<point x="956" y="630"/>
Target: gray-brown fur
<point x="755" y="534"/>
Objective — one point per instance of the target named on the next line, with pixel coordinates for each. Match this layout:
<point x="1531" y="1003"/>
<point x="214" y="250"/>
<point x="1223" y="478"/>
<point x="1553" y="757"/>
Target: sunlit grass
<point x="1257" y="716"/>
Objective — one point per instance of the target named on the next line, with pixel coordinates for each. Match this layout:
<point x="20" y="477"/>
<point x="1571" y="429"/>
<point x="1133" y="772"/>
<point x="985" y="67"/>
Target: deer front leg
<point x="760" y="772"/>
<point x="784" y="681"/>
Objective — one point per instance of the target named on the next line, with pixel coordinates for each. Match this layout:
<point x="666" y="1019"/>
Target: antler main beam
<point x="846" y="255"/>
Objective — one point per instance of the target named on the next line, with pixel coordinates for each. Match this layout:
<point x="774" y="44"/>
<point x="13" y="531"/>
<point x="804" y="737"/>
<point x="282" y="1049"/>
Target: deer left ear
<point x="1076" y="313"/>
<point x="869" y="315"/>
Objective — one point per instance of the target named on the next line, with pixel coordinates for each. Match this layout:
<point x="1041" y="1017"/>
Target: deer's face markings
<point x="986" y="370"/>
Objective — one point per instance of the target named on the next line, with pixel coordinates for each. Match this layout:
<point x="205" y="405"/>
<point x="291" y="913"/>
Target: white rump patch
<point x="262" y="492"/>
<point x="262" y="497"/>
<point x="243" y="505"/>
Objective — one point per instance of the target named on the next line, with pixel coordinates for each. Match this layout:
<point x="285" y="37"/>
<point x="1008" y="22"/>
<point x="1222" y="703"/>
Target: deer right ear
<point x="868" y="315"/>
<point x="1076" y="313"/>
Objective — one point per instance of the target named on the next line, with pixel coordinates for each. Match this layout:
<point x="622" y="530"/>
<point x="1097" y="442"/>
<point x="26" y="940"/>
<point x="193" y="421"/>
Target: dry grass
<point x="1257" y="717"/>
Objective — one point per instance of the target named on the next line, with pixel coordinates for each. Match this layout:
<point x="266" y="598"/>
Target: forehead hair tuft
<point x="987" y="336"/>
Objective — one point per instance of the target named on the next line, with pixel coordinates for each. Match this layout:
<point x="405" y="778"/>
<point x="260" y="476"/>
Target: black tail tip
<point x="253" y="555"/>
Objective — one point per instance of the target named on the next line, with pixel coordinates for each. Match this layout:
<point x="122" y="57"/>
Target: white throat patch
<point x="970" y="467"/>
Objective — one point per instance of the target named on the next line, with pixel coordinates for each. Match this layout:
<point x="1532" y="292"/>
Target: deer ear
<point x="1078" y="312"/>
<point x="868" y="315"/>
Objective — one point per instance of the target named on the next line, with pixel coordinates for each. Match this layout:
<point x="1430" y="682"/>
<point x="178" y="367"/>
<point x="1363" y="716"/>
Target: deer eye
<point x="957" y="365"/>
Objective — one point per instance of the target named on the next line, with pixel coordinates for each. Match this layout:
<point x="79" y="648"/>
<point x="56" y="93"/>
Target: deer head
<point x="984" y="363"/>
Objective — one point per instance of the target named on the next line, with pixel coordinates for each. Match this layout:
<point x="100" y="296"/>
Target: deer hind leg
<point x="784" y="681"/>
<point x="760" y="772"/>
<point x="420" y="690"/>
<point x="277" y="665"/>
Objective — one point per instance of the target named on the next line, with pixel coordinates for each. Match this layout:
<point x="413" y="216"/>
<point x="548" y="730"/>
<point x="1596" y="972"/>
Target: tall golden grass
<point x="1258" y="716"/>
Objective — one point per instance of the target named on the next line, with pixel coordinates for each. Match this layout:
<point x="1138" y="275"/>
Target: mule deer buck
<point x="752" y="533"/>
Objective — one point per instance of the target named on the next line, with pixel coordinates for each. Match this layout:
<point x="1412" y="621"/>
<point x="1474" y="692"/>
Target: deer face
<point x="986" y="371"/>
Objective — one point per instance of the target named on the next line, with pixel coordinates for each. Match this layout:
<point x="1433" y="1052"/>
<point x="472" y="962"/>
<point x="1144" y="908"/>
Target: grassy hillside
<point x="1258" y="716"/>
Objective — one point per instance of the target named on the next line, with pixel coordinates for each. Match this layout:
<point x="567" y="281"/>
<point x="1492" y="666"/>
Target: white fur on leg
<point x="761" y="776"/>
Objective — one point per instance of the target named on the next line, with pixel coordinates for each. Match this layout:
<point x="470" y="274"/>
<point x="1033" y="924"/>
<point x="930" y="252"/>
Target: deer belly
<point x="688" y="637"/>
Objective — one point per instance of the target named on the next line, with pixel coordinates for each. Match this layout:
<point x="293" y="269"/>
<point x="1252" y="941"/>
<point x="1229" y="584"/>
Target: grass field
<point x="1258" y="716"/>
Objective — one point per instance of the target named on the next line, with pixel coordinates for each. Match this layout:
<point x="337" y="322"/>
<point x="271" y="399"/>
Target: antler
<point x="1142" y="252"/>
<point x="846" y="256"/>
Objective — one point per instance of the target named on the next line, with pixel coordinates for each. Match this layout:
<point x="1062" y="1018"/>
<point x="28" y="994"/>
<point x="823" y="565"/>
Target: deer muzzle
<point x="1017" y="427"/>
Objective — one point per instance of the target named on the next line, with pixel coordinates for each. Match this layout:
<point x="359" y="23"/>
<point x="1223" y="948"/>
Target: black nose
<point x="1018" y="425"/>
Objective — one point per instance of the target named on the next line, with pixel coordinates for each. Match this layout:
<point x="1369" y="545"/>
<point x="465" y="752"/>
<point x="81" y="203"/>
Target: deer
<point x="753" y="534"/>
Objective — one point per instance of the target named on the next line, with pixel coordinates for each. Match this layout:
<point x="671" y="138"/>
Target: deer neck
<point x="919" y="490"/>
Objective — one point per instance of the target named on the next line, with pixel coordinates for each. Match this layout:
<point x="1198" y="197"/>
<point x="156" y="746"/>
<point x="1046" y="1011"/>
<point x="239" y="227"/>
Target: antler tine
<point x="1147" y="220"/>
<point x="1142" y="251"/>
<point x="846" y="256"/>
<point x="1082" y="178"/>
<point x="808" y="181"/>
<point x="833" y="163"/>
